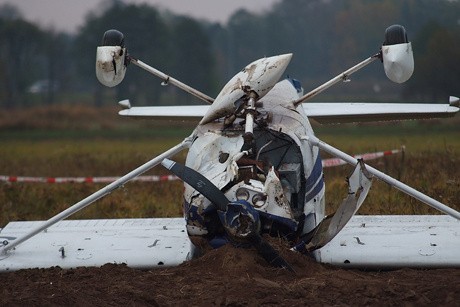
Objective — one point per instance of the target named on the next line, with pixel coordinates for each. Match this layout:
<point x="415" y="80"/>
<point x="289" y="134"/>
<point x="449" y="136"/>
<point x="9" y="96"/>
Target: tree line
<point x="39" y="66"/>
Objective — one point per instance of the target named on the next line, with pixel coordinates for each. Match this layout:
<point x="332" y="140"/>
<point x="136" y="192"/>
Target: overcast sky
<point x="67" y="15"/>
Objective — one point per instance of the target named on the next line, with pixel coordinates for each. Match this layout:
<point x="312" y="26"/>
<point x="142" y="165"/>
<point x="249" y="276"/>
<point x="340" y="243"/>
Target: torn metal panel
<point x="359" y="184"/>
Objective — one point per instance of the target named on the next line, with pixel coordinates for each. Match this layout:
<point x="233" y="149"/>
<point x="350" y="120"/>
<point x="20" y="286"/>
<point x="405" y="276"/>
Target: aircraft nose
<point x="283" y="60"/>
<point x="260" y="77"/>
<point x="267" y="72"/>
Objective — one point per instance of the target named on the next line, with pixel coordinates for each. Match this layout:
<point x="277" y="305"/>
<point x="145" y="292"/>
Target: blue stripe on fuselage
<point x="315" y="181"/>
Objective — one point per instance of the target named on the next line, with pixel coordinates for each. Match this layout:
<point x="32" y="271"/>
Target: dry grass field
<point x="82" y="141"/>
<point x="76" y="141"/>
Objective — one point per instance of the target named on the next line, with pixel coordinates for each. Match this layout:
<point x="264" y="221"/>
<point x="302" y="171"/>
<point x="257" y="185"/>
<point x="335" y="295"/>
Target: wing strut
<point x="344" y="76"/>
<point x="167" y="79"/>
<point x="385" y="178"/>
<point x="100" y="193"/>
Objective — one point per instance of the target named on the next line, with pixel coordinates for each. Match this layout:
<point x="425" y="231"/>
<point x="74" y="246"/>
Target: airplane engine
<point x="111" y="59"/>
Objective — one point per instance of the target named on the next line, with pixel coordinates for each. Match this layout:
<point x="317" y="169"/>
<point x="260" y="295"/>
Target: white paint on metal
<point x="140" y="243"/>
<point x="398" y="62"/>
<point x="341" y="112"/>
<point x="170" y="80"/>
<point x="344" y="76"/>
<point x="323" y="112"/>
<point x="454" y="101"/>
<point x="330" y="162"/>
<point x="395" y="241"/>
<point x="110" y="65"/>
<point x="260" y="77"/>
<point x="170" y="112"/>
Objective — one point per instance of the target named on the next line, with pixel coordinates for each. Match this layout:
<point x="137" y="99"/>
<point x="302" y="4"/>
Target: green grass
<point x="92" y="157"/>
<point x="430" y="164"/>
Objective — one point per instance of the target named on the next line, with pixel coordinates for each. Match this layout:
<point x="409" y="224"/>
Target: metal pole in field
<point x="168" y="79"/>
<point x="385" y="178"/>
<point x="99" y="194"/>
<point x="341" y="77"/>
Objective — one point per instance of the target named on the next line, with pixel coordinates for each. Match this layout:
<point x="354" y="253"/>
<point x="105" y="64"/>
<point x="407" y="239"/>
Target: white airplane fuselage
<point x="282" y="177"/>
<point x="254" y="154"/>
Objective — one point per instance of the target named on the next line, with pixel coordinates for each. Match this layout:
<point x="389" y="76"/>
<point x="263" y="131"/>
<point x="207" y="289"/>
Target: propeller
<point x="240" y="220"/>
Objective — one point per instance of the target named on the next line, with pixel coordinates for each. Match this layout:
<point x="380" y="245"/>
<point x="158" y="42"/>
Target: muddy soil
<point x="230" y="277"/>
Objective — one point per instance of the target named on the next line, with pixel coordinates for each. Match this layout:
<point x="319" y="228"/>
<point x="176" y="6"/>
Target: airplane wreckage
<point x="253" y="168"/>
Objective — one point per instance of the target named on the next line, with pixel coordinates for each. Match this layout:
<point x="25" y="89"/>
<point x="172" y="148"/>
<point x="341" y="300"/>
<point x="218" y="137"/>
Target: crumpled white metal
<point x="259" y="77"/>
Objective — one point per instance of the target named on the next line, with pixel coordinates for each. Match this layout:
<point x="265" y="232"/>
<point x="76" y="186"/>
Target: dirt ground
<point x="230" y="277"/>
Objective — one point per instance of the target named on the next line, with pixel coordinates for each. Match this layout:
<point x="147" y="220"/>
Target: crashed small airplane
<point x="253" y="168"/>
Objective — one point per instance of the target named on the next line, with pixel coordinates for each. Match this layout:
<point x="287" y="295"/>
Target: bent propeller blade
<point x="198" y="182"/>
<point x="211" y="192"/>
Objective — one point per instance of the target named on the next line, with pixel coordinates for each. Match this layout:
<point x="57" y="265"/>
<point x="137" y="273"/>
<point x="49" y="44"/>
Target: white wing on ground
<point x="140" y="243"/>
<point x="427" y="241"/>
<point x="167" y="112"/>
<point x="394" y="241"/>
<point x="343" y="112"/>
<point x="323" y="112"/>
